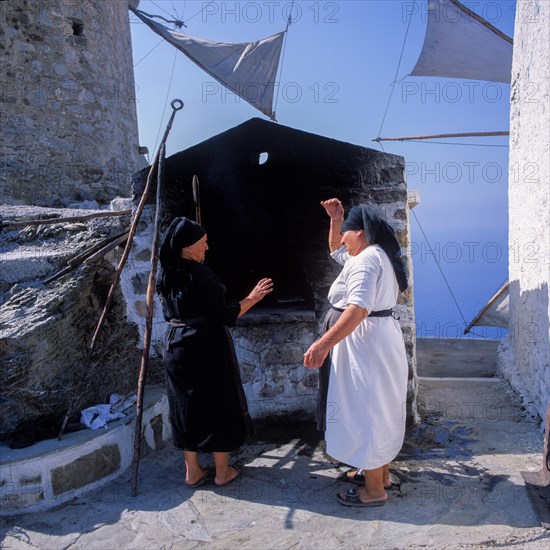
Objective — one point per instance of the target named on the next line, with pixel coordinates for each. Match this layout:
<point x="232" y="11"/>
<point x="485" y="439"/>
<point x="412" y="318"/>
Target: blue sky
<point x="340" y="60"/>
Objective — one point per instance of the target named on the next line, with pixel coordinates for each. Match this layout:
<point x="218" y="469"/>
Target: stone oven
<point x="260" y="188"/>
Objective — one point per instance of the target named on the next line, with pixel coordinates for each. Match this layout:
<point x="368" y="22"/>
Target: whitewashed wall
<point x="524" y="354"/>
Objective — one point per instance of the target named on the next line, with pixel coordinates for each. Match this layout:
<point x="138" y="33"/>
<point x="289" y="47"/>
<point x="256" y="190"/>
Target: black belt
<point x="187" y="322"/>
<point x="381" y="313"/>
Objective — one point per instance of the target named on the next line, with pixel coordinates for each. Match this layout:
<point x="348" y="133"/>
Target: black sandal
<point x="359" y="479"/>
<point x="351" y="498"/>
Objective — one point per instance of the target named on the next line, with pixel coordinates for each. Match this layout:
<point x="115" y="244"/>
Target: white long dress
<point x="366" y="404"/>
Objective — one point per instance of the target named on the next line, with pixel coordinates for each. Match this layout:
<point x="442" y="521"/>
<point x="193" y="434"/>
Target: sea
<point x="454" y="277"/>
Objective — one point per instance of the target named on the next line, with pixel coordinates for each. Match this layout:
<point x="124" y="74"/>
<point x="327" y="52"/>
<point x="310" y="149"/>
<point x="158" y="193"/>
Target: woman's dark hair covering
<point x="180" y="233"/>
<point x="378" y="231"/>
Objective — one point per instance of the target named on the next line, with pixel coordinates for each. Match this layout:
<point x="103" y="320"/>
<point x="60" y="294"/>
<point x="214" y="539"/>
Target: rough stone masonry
<point x="67" y="97"/>
<point x="46" y="328"/>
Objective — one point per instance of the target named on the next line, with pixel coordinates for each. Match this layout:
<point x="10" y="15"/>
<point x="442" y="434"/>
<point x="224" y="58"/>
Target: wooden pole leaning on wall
<point x="89" y="255"/>
<point x="147" y="333"/>
<point x="176" y="105"/>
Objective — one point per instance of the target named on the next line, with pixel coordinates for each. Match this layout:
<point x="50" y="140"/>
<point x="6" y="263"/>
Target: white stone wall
<point x="67" y="102"/>
<point x="134" y="279"/>
<point x="524" y="355"/>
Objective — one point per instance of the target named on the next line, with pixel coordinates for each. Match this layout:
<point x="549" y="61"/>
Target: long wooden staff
<point x="150" y="308"/>
<point x="176" y="105"/>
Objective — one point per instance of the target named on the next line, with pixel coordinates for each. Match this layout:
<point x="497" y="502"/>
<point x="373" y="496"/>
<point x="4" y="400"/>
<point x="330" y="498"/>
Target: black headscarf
<point x="180" y="233"/>
<point x="378" y="231"/>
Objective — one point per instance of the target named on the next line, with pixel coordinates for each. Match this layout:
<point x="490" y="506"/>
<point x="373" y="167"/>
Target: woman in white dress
<point x="365" y="422"/>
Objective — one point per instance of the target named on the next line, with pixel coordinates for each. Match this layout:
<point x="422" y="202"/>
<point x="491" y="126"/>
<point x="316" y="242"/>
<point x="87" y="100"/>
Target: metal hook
<point x="176" y="104"/>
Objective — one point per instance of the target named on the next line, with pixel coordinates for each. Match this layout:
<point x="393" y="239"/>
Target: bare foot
<point x="192" y="478"/>
<point x="391" y="481"/>
<point x="229" y="475"/>
<point x="358" y="497"/>
<point x="360" y="479"/>
<point x="365" y="497"/>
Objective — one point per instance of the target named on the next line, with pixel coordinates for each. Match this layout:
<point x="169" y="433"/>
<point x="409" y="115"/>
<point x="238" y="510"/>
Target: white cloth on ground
<point x="98" y="416"/>
<point x="368" y="381"/>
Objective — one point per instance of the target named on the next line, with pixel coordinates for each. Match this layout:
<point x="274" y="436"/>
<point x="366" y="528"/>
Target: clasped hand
<point x="315" y="355"/>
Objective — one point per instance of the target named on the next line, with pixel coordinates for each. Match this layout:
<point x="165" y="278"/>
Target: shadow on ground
<point x="451" y="481"/>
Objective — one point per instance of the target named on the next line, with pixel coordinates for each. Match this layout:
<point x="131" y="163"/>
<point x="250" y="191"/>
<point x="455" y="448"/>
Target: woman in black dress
<point x="208" y="409"/>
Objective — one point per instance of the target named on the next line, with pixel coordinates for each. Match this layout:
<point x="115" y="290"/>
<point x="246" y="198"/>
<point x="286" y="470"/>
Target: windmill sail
<point x="495" y="313"/>
<point x="460" y="44"/>
<point x="248" y="69"/>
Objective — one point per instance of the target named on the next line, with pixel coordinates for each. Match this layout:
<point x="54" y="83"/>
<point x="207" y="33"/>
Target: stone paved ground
<point x="461" y="488"/>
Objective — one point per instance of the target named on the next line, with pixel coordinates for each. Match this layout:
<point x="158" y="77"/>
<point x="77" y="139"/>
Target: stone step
<point x="474" y="399"/>
<point x="460" y="358"/>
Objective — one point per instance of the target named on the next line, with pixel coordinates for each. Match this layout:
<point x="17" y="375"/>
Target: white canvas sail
<point x="248" y="69"/>
<point x="459" y="45"/>
<point x="495" y="313"/>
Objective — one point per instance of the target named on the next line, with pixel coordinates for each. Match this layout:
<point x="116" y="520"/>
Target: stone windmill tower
<point x="69" y="125"/>
<point x="68" y="133"/>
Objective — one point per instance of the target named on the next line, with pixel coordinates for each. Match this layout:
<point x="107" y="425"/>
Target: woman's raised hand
<point x="261" y="290"/>
<point x="334" y="208"/>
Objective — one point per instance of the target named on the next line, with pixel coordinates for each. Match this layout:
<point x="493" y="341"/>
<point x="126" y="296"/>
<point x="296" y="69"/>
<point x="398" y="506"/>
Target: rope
<point x="166" y="100"/>
<point x="174" y="9"/>
<point x="201" y="10"/>
<point x="441" y="270"/>
<point x="436" y="143"/>
<point x="176" y="22"/>
<point x="396" y="71"/>
<point x="289" y="20"/>
<point x="288" y="23"/>
<point x="476" y="334"/>
<point x="161" y="8"/>
<point x="154" y="48"/>
<point x="445" y="279"/>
